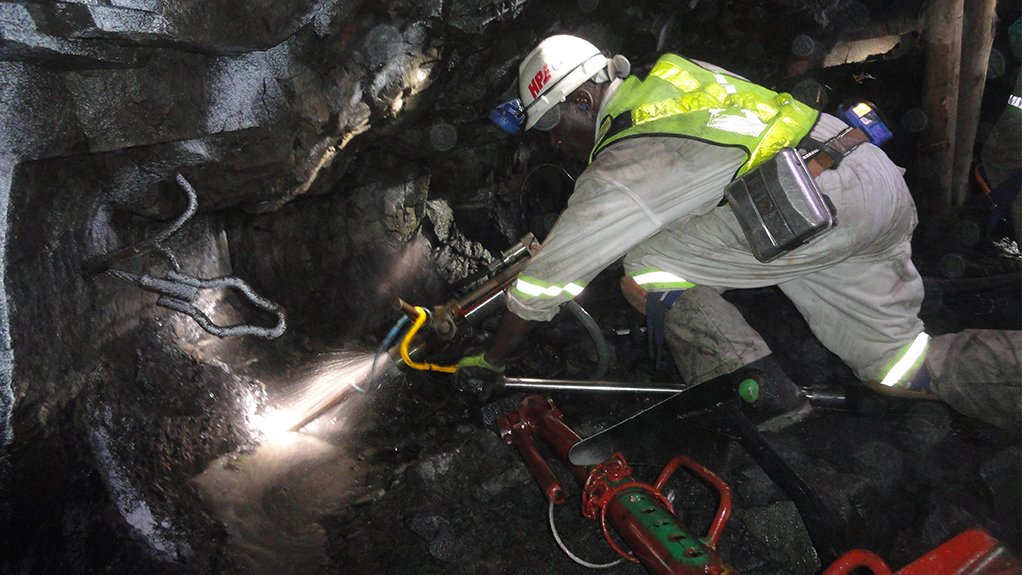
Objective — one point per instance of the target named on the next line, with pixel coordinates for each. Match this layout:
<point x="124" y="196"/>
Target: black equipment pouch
<point x="779" y="206"/>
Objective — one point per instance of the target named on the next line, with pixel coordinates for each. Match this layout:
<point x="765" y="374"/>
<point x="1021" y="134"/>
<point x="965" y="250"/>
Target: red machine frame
<point x="645" y="520"/>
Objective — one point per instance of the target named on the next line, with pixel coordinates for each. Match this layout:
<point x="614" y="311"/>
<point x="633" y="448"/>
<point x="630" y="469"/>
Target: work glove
<point x="477" y="377"/>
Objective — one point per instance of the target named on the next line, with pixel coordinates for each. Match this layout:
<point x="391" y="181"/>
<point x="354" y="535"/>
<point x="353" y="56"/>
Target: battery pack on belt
<point x="778" y="206"/>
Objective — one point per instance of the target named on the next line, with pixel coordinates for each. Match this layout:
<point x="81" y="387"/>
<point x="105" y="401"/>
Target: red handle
<point x="723" y="508"/>
<point x="857" y="559"/>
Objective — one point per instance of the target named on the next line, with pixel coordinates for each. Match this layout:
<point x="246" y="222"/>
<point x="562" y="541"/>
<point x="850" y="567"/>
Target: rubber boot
<point x="709" y="338"/>
<point x="776" y="401"/>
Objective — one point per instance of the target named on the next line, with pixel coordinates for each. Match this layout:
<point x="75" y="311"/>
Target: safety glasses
<point x="549" y="120"/>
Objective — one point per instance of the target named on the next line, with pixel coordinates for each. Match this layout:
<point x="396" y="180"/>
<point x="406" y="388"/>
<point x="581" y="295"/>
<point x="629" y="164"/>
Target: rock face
<point x="341" y="159"/>
<point x="257" y="104"/>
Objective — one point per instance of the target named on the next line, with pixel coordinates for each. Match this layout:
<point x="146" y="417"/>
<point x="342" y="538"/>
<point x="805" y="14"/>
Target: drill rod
<point x="583" y="386"/>
<point x="322" y="407"/>
<point x="513" y="383"/>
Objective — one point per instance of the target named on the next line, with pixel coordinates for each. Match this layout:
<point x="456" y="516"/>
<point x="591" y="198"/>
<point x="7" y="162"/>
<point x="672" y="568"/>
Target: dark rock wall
<point x="341" y="159"/>
<point x="103" y="104"/>
<point x="116" y="402"/>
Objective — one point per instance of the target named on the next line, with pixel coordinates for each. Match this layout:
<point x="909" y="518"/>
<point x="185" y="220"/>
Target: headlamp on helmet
<point x="866" y="117"/>
<point x="509" y="116"/>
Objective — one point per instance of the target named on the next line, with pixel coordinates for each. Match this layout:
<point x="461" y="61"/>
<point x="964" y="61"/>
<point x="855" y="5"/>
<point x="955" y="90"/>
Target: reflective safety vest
<point x="681" y="98"/>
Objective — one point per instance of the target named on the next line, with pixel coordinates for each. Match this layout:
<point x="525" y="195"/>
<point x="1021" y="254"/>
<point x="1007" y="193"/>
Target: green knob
<point x="748" y="390"/>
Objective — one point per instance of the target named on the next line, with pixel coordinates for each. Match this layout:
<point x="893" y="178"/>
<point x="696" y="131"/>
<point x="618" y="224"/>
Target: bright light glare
<point x="323" y="386"/>
<point x="273" y="426"/>
<point x="397" y="105"/>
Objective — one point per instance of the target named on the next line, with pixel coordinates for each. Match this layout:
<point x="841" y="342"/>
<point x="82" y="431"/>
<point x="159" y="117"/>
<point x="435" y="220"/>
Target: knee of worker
<point x="708" y="337"/>
<point x="979" y="373"/>
<point x="634" y="293"/>
<point x="535" y="308"/>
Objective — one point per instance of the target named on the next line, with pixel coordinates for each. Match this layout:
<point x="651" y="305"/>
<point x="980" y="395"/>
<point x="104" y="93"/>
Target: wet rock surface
<point x="341" y="159"/>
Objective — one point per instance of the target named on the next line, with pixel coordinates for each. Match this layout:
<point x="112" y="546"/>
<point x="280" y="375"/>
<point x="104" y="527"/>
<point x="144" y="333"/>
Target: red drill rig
<point x="645" y="520"/>
<point x="639" y="513"/>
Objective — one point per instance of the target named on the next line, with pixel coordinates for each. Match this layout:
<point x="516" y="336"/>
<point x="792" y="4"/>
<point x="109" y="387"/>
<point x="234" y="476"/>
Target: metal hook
<point x="178" y="292"/>
<point x="103" y="262"/>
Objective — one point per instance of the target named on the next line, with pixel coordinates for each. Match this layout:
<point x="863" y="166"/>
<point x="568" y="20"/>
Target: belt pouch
<point x="779" y="206"/>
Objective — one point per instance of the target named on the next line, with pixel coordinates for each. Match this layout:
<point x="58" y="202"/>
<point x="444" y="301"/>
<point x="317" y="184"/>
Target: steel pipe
<point x="584" y="386"/>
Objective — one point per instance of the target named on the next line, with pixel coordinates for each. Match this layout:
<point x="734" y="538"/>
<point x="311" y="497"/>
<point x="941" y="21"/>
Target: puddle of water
<point x="270" y="500"/>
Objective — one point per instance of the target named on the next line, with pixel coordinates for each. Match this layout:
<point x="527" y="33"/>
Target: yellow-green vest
<point x="681" y="98"/>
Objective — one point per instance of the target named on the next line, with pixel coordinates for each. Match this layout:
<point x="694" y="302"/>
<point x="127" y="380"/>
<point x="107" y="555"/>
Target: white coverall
<point x="655" y="201"/>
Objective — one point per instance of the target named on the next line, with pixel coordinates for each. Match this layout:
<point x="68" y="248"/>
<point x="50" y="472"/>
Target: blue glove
<point x="477" y="377"/>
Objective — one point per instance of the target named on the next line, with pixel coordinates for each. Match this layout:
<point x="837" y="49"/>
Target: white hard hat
<point x="554" y="69"/>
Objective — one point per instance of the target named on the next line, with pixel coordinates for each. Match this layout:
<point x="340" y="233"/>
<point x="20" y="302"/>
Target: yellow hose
<point x="408" y="339"/>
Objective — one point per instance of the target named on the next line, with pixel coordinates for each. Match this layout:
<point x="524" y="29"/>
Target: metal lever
<point x="583" y="386"/>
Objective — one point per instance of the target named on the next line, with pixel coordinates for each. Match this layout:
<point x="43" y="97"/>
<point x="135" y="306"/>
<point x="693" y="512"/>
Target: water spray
<point x="325" y="405"/>
<point x="432" y="330"/>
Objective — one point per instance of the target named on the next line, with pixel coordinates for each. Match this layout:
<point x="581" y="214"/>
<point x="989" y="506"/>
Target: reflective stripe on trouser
<point x="708" y="337"/>
<point x="652" y="279"/>
<point x="978" y="372"/>
<point x="905" y="363"/>
<point x="526" y="286"/>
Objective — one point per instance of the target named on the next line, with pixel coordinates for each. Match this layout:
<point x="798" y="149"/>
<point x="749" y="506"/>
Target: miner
<point x="677" y="162"/>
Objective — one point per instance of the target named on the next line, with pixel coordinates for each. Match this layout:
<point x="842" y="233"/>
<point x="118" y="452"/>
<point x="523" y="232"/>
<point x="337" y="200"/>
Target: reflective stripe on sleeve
<point x="723" y="81"/>
<point x="906" y="362"/>
<point x="532" y="287"/>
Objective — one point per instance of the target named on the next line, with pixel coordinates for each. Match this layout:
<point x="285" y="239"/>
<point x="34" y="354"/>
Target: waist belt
<point x="828" y="155"/>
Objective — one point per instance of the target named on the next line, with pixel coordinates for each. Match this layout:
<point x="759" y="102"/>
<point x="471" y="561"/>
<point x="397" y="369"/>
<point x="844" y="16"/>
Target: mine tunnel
<point x="212" y="208"/>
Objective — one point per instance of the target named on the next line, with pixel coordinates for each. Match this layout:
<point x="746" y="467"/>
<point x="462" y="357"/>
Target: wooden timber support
<point x="942" y="33"/>
<point x="977" y="39"/>
<point x="957" y="40"/>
